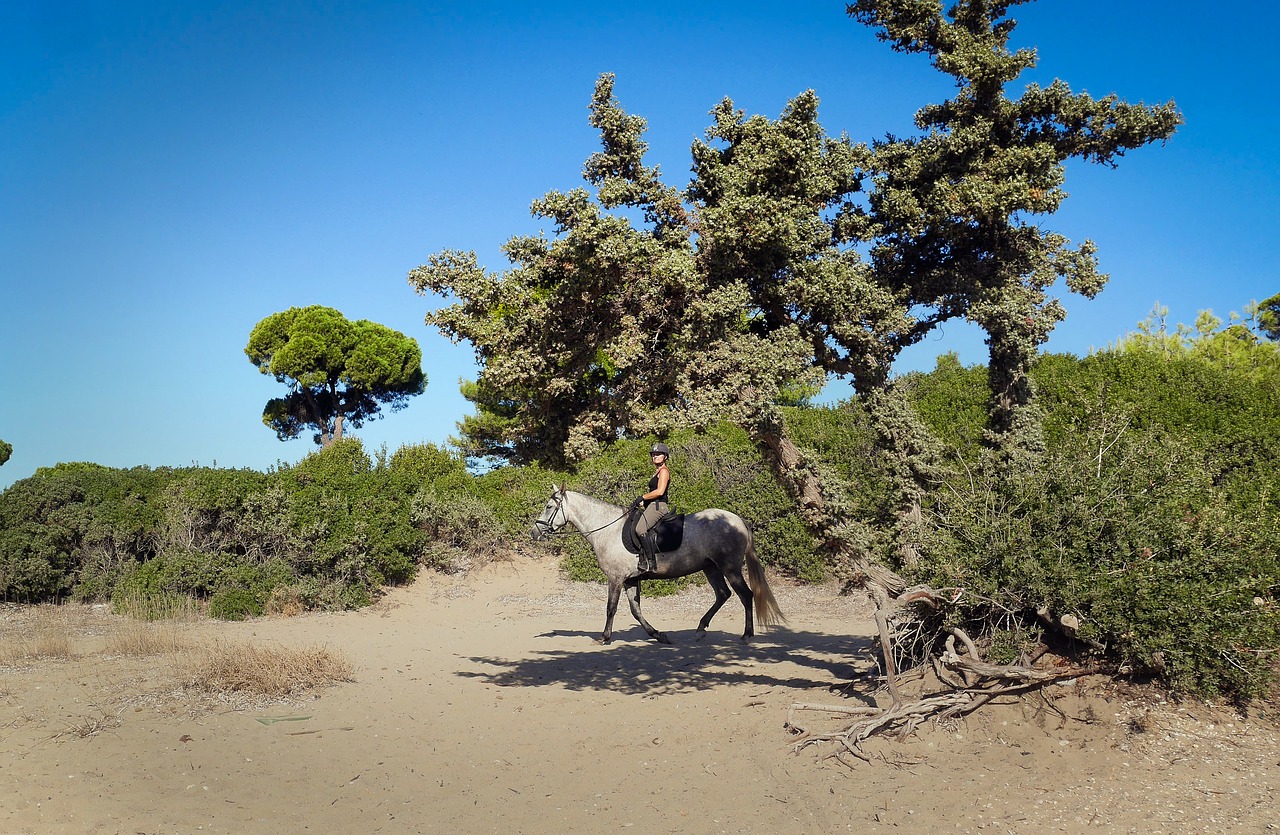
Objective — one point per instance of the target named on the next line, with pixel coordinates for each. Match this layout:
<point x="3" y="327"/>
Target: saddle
<point x="669" y="529"/>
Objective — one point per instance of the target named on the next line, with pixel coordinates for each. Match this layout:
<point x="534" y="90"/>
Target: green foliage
<point x="952" y="402"/>
<point x="71" y="514"/>
<point x="334" y="525"/>
<point x="6" y="450"/>
<point x="1231" y="415"/>
<point x="460" y="528"/>
<point x="1153" y="519"/>
<point x="1269" y="317"/>
<point x="337" y="371"/>
<point x="1239" y="347"/>
<point x="419" y="464"/>
<point x="1160" y="570"/>
<point x="234" y="604"/>
<point x="844" y="438"/>
<point x="142" y="593"/>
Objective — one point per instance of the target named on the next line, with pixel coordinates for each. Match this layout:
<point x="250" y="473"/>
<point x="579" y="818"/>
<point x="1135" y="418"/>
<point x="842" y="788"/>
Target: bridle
<point x="549" y="527"/>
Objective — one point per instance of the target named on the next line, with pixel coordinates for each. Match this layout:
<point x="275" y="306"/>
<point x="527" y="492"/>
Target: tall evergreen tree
<point x="790" y="257"/>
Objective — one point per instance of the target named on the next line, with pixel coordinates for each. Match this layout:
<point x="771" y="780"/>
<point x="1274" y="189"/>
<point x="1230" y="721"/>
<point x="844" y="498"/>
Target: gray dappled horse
<point x="716" y="542"/>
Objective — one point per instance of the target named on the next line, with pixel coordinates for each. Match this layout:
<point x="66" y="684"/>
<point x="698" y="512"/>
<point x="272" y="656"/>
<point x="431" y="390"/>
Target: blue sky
<point x="171" y="173"/>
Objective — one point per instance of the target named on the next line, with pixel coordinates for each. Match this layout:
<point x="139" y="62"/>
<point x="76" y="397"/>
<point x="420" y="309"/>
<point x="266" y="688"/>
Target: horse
<point x="716" y="542"/>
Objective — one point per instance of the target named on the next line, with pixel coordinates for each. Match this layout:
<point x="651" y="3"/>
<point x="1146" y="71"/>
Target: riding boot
<point x="649" y="551"/>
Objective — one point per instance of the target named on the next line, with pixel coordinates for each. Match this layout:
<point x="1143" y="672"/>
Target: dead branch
<point x="970" y="681"/>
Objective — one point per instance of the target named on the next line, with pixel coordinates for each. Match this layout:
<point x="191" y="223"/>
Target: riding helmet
<point x="660" y="449"/>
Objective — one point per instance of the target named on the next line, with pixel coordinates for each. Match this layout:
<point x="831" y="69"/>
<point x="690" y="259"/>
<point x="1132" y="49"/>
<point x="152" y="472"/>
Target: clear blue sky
<point x="173" y="172"/>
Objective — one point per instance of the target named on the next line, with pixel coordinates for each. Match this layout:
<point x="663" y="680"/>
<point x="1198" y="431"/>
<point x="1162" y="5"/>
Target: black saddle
<point x="670" y="531"/>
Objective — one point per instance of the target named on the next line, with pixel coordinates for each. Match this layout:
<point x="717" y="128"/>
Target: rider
<point x="655" y="507"/>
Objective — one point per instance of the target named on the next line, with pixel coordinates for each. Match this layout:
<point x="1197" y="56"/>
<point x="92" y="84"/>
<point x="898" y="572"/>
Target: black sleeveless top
<point x="653" y="485"/>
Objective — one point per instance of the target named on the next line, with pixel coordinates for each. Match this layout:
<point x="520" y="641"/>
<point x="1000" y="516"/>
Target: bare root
<point x="970" y="682"/>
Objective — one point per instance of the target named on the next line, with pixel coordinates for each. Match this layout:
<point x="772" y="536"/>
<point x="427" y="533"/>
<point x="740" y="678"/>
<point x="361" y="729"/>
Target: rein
<point x="548" y="529"/>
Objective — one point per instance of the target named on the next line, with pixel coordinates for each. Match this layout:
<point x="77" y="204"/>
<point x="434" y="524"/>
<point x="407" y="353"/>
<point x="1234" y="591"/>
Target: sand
<point x="481" y="704"/>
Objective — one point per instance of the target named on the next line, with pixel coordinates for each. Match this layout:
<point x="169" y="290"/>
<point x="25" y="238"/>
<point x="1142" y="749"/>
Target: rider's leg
<point x="649" y="551"/>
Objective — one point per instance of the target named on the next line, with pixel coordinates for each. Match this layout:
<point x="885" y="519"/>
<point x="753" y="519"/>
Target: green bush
<point x="63" y="516"/>
<point x="143" y="592"/>
<point x="235" y="604"/>
<point x="459" y="529"/>
<point x="1141" y="547"/>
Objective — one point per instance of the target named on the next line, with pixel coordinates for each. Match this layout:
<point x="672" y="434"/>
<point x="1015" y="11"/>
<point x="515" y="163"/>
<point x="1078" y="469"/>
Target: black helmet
<point x="659" y="449"/>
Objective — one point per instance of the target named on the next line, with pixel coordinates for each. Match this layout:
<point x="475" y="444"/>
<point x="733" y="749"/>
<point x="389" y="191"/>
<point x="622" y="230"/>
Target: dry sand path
<point x="482" y="705"/>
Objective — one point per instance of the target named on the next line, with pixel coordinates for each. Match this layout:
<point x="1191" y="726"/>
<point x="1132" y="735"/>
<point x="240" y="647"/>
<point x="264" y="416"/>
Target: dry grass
<point x="165" y="608"/>
<point x="44" y="632"/>
<point x="87" y="726"/>
<point x="140" y="638"/>
<point x="236" y="667"/>
<point x="285" y="601"/>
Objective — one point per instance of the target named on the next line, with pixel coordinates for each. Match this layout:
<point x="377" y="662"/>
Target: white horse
<point x="716" y="542"/>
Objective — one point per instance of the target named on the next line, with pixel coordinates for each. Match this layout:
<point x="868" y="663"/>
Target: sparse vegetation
<point x="254" y="669"/>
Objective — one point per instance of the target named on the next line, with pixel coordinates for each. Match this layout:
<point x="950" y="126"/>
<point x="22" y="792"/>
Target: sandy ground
<point x="481" y="704"/>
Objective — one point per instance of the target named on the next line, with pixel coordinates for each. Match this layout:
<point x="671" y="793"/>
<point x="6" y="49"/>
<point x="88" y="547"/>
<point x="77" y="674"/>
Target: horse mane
<point x="599" y="504"/>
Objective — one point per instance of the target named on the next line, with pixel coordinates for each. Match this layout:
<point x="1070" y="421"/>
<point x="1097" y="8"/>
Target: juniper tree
<point x="793" y="256"/>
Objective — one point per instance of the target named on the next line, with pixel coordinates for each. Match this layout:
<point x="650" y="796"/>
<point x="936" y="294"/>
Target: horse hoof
<point x="602" y="639"/>
<point x="702" y="633"/>
<point x="662" y="638"/>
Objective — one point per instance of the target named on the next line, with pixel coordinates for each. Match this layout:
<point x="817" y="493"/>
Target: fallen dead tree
<point x="966" y="682"/>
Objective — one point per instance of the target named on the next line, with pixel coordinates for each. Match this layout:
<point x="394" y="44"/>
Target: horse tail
<point x="768" y="612"/>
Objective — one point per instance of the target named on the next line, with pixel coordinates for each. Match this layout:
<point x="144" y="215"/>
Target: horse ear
<point x="562" y="488"/>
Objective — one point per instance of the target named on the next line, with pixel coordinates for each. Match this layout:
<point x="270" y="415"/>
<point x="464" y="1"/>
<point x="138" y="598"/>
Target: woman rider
<point x="655" y="507"/>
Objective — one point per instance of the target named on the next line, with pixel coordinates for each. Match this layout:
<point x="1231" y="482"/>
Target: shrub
<point x="1140" y="546"/>
<point x="459" y="528"/>
<point x="235" y="604"/>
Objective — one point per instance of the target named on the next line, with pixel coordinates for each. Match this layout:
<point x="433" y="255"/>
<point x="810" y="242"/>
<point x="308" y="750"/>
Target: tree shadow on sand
<point x="636" y="664"/>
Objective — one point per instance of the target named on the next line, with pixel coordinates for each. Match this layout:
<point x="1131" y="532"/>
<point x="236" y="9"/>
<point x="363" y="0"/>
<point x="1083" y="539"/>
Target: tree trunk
<point x="844" y="538"/>
<point x="912" y="456"/>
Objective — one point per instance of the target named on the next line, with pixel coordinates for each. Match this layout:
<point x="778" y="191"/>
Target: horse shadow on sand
<point x="633" y="663"/>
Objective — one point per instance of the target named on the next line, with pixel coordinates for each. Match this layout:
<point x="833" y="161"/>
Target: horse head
<point x="553" y="516"/>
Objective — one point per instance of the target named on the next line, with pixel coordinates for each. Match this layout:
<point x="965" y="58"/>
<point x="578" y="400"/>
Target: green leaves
<point x="337" y="370"/>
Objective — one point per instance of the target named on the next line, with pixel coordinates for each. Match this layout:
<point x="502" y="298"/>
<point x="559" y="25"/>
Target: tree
<point x="1269" y="317"/>
<point x="337" y="371"/>
<point x="6" y="449"/>
<point x="1235" y="348"/>
<point x="790" y="257"/>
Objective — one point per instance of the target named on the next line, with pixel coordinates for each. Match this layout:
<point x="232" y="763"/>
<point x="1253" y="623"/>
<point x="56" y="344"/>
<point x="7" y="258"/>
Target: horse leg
<point x="633" y="597"/>
<point x="611" y="609"/>
<point x="716" y="578"/>
<point x="739" y="584"/>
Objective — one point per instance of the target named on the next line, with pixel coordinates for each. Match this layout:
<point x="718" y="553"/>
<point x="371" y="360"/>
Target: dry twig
<point x="972" y="683"/>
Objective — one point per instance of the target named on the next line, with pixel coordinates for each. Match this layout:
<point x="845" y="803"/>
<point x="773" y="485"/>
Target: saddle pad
<point x="670" y="530"/>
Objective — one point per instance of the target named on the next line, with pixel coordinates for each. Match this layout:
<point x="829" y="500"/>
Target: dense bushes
<point x="1151" y="524"/>
<point x="1149" y="530"/>
<point x="331" y="531"/>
